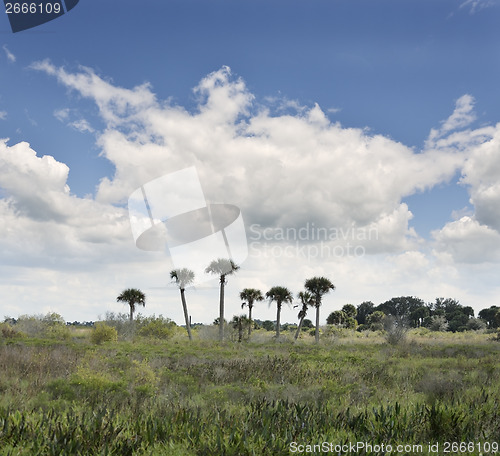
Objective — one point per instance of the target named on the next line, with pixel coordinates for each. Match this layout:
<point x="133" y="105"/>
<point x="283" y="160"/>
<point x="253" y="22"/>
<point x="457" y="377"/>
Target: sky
<point x="357" y="139"/>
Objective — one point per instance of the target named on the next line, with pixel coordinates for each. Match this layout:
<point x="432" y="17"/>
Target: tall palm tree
<point x="133" y="297"/>
<point x="306" y="300"/>
<point x="318" y="287"/>
<point x="280" y="295"/>
<point x="221" y="267"/>
<point x="250" y="295"/>
<point x="183" y="278"/>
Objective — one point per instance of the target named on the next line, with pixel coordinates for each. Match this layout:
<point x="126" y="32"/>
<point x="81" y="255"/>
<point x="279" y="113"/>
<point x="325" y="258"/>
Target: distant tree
<point x="183" y="278"/>
<point x="268" y="325"/>
<point x="401" y="306"/>
<point x="132" y="297"/>
<point x="239" y="322"/>
<point x="306" y="300"/>
<point x="350" y="310"/>
<point x="336" y="318"/>
<point x="221" y="267"/>
<point x="249" y="296"/>
<point x="418" y="316"/>
<point x="280" y="295"/>
<point x="363" y="310"/>
<point x="491" y="316"/>
<point x="457" y="316"/>
<point x="318" y="287"/>
<point x="307" y="323"/>
<point x="375" y="320"/>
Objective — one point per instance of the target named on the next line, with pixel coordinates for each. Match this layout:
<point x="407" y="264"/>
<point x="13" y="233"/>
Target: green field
<point x="260" y="397"/>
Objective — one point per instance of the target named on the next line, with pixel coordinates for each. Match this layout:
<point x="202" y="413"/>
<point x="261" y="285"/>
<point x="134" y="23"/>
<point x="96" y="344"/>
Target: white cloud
<point x="62" y="114"/>
<point x="466" y="240"/>
<point x="477" y="5"/>
<point x="462" y="116"/>
<point x="82" y="125"/>
<point x="10" y="56"/>
<point x="281" y="169"/>
<point x="3" y="115"/>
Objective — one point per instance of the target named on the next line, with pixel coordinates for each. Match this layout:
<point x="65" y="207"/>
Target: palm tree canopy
<point x="318" y="286"/>
<point x="222" y="267"/>
<point x="182" y="277"/>
<point x="280" y="295"/>
<point x="132" y="296"/>
<point x="250" y="295"/>
<point x="306" y="299"/>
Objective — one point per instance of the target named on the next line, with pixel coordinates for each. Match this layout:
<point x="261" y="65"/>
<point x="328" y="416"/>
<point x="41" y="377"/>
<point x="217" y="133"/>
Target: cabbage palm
<point x="183" y="278"/>
<point x="250" y="295"/>
<point x="133" y="297"/>
<point x="318" y="287"/>
<point x="306" y="300"/>
<point x="221" y="267"/>
<point x="280" y="295"/>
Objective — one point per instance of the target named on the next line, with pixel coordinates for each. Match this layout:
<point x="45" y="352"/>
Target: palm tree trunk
<point x="221" y="309"/>
<point x="299" y="327"/>
<point x="131" y="313"/>
<point x="186" y="316"/>
<point x="317" y="325"/>
<point x="240" y="330"/>
<point x="249" y="320"/>
<point x="278" y="322"/>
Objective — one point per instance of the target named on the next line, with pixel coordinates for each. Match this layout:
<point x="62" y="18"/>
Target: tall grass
<point x="170" y="397"/>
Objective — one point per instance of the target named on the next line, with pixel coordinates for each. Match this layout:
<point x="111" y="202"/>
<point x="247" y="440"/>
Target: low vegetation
<point x="153" y="392"/>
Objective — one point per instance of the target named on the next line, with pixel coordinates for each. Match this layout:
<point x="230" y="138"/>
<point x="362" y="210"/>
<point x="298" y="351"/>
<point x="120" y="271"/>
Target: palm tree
<point x="183" y="278"/>
<point x="318" y="286"/>
<point x="132" y="296"/>
<point x="280" y="295"/>
<point x="250" y="295"/>
<point x="239" y="322"/>
<point x="221" y="267"/>
<point x="306" y="300"/>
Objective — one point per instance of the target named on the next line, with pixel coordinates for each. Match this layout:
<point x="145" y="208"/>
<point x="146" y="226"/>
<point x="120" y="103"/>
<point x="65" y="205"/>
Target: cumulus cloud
<point x="3" y="115"/>
<point x="280" y="168"/>
<point x="41" y="219"/>
<point x="466" y="240"/>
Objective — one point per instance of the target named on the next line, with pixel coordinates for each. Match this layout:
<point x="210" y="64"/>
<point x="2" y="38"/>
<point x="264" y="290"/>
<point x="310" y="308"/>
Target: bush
<point x="438" y="323"/>
<point x="160" y="328"/>
<point x="475" y="324"/>
<point x="103" y="333"/>
<point x="58" y="331"/>
<point x="396" y="329"/>
<point x="48" y="325"/>
<point x="8" y="332"/>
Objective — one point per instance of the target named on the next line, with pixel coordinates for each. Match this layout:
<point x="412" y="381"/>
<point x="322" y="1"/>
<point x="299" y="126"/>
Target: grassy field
<point x="262" y="397"/>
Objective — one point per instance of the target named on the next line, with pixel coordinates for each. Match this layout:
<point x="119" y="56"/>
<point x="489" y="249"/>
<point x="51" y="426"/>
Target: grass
<point x="171" y="397"/>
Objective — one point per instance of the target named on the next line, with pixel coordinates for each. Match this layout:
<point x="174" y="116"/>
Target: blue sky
<point x="347" y="74"/>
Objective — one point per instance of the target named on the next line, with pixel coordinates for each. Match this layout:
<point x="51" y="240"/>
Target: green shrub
<point x="9" y="332"/>
<point x="58" y="331"/>
<point x="160" y="328"/>
<point x="103" y="333"/>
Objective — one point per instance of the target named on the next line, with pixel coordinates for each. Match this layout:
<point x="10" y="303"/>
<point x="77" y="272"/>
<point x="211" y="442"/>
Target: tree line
<point x="314" y="290"/>
<point x="444" y="314"/>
